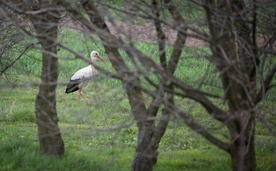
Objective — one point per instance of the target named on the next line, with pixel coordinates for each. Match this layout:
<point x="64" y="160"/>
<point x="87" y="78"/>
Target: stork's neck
<point x="94" y="60"/>
<point x="94" y="72"/>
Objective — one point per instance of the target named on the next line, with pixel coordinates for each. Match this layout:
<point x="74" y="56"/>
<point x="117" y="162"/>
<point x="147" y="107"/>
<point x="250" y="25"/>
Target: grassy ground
<point x="102" y="136"/>
<point x="98" y="137"/>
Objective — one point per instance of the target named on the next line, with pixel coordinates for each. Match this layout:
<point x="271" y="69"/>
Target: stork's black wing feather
<point x="73" y="86"/>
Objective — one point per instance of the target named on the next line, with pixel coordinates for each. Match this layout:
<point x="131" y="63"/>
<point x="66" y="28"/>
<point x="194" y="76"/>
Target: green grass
<point x="91" y="143"/>
<point x="103" y="136"/>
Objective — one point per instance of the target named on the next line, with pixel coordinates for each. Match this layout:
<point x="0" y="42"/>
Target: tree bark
<point x="46" y="26"/>
<point x="46" y="114"/>
<point x="238" y="79"/>
<point x="242" y="149"/>
<point x="146" y="151"/>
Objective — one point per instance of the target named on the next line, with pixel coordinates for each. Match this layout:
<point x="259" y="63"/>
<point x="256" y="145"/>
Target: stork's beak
<point x="101" y="58"/>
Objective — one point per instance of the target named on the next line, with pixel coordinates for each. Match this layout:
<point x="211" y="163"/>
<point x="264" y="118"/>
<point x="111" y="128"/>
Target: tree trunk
<point x="46" y="114"/>
<point x="146" y="151"/>
<point x="238" y="79"/>
<point x="46" y="26"/>
<point x="242" y="149"/>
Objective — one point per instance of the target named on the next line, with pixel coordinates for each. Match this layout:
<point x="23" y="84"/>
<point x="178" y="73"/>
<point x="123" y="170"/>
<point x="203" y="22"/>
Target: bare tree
<point x="46" y="26"/>
<point x="239" y="79"/>
<point x="44" y="16"/>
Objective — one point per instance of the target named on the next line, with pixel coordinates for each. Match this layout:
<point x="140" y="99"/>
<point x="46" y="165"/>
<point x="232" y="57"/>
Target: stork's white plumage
<point x="82" y="77"/>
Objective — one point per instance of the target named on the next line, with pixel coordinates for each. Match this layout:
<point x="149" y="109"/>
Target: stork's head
<point x="95" y="55"/>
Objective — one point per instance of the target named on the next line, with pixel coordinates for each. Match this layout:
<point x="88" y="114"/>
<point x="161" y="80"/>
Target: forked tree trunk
<point x="146" y="151"/>
<point x="239" y="79"/>
<point x="242" y="123"/>
<point x="46" y="26"/>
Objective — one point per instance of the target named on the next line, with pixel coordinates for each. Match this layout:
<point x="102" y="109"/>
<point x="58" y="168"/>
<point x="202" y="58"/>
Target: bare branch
<point x="168" y="79"/>
<point x="181" y="37"/>
<point x="266" y="84"/>
<point x="199" y="129"/>
<point x="160" y="34"/>
<point x="13" y="62"/>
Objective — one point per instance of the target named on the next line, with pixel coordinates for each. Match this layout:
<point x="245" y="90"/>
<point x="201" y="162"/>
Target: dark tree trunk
<point x="46" y="114"/>
<point x="238" y="80"/>
<point x="46" y="26"/>
<point x="146" y="151"/>
<point x="242" y="124"/>
<point x="242" y="149"/>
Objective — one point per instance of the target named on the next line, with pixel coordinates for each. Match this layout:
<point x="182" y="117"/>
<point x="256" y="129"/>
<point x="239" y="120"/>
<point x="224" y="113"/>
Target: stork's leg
<point x="87" y="101"/>
<point x="80" y="94"/>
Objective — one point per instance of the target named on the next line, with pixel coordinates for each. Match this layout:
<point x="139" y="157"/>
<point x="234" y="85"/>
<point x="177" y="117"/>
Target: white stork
<point x="82" y="76"/>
